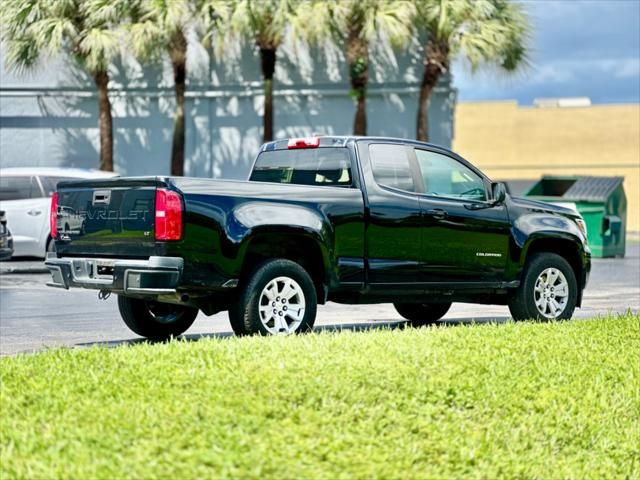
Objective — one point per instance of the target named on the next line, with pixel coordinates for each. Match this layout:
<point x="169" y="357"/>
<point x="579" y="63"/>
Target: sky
<point x="578" y="48"/>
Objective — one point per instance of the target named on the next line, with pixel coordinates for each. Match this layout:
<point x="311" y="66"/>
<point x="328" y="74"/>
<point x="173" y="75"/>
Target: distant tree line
<point x="95" y="32"/>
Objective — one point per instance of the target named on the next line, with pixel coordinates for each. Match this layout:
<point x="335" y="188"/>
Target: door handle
<point x="437" y="213"/>
<point x="33" y="212"/>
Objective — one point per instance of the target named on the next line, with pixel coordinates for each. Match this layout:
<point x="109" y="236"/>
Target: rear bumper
<point x="155" y="276"/>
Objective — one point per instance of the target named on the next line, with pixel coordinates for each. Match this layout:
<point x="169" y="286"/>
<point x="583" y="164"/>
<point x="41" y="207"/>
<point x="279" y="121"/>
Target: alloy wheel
<point x="551" y="293"/>
<point x="282" y="306"/>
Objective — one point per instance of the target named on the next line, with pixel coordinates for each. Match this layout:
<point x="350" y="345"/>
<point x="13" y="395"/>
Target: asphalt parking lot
<point x="34" y="317"/>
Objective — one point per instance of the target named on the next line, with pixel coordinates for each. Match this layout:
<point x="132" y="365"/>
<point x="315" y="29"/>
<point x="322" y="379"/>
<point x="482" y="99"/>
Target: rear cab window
<point x="325" y="167"/>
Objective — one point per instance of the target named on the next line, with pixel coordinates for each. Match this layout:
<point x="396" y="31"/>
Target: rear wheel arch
<point x="301" y="248"/>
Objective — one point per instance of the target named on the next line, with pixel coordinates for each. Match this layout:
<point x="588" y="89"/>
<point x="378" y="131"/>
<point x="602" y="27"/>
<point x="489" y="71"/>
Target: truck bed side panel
<point x="222" y="217"/>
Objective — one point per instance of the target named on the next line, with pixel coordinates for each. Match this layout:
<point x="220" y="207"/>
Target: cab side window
<point x="391" y="167"/>
<point x="446" y="177"/>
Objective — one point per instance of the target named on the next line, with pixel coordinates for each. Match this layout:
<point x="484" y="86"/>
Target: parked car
<point x="25" y="196"/>
<point x="6" y="240"/>
<point x="344" y="219"/>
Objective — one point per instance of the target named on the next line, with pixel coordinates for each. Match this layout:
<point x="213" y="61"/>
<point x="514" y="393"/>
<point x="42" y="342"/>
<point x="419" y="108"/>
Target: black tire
<point x="244" y="313"/>
<point x="522" y="303"/>
<point x="51" y="246"/>
<point x="420" y="314"/>
<point x="155" y="320"/>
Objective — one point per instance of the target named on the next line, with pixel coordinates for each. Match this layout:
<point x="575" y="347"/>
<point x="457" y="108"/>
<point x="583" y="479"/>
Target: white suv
<point x="25" y="196"/>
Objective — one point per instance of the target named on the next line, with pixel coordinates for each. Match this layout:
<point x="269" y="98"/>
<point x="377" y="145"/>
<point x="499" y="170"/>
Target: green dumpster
<point x="601" y="202"/>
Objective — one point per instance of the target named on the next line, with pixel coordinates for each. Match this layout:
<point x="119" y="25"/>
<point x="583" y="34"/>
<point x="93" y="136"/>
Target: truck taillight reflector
<point x="306" y="142"/>
<point x="53" y="216"/>
<point x="168" y="215"/>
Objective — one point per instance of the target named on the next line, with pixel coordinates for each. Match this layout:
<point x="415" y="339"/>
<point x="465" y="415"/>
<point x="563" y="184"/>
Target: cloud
<point x="564" y="71"/>
<point x="579" y="48"/>
<point x="551" y="74"/>
<point x="629" y="68"/>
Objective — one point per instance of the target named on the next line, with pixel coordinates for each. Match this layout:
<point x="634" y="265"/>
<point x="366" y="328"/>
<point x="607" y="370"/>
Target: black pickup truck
<point x="344" y="219"/>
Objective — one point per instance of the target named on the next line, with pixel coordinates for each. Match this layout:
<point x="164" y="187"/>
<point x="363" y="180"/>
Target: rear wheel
<point x="155" y="320"/>
<point x="279" y="298"/>
<point x="548" y="291"/>
<point x="420" y="314"/>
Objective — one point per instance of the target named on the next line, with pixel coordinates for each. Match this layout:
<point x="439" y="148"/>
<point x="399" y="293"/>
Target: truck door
<point x="393" y="234"/>
<point x="463" y="239"/>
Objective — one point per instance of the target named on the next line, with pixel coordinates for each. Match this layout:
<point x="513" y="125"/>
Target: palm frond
<point x="392" y="19"/>
<point x="146" y="40"/>
<point x="98" y="48"/>
<point x="21" y="55"/>
<point x="482" y="31"/>
<point x="53" y="33"/>
<point x="213" y="19"/>
<point x="263" y="21"/>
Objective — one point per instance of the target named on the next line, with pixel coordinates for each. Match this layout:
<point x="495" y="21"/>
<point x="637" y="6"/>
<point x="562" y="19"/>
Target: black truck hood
<point x="536" y="205"/>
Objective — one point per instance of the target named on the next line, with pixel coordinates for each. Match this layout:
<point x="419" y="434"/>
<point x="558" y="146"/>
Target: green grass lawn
<point x="526" y="400"/>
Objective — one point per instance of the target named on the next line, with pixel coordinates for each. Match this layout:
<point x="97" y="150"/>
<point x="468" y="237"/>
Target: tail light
<point x="53" y="216"/>
<point x="306" y="142"/>
<point x="168" y="215"/>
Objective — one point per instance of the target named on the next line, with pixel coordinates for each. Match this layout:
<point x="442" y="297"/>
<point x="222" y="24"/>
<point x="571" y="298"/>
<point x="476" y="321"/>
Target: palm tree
<point x="86" y="29"/>
<point x="158" y="27"/>
<point x="264" y="22"/>
<point x="356" y="23"/>
<point x="481" y="31"/>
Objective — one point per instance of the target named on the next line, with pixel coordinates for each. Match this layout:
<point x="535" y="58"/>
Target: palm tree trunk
<point x="358" y="59"/>
<point x="360" y="120"/>
<point x="435" y="63"/>
<point x="268" y="65"/>
<point x="178" y="55"/>
<point x="105" y="121"/>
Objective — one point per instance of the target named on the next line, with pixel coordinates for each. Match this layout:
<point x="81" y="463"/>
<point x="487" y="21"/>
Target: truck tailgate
<point x="107" y="218"/>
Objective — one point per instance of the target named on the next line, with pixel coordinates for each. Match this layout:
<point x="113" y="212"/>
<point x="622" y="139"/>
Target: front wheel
<point x="279" y="298"/>
<point x="548" y="291"/>
<point x="155" y="320"/>
<point x="420" y="314"/>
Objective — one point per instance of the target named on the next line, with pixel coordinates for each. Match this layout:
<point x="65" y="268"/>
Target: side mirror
<point x="499" y="191"/>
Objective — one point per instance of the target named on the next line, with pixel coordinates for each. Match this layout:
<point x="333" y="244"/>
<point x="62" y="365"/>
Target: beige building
<point x="509" y="142"/>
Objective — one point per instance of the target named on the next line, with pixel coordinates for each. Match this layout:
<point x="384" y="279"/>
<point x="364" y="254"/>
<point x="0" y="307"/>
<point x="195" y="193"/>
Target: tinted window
<point x="18" y="188"/>
<point x="50" y="184"/>
<point x="390" y="164"/>
<point x="447" y="177"/>
<point x="312" y="166"/>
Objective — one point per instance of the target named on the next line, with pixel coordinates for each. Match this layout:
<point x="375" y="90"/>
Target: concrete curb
<point x="9" y="267"/>
<point x="18" y="270"/>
